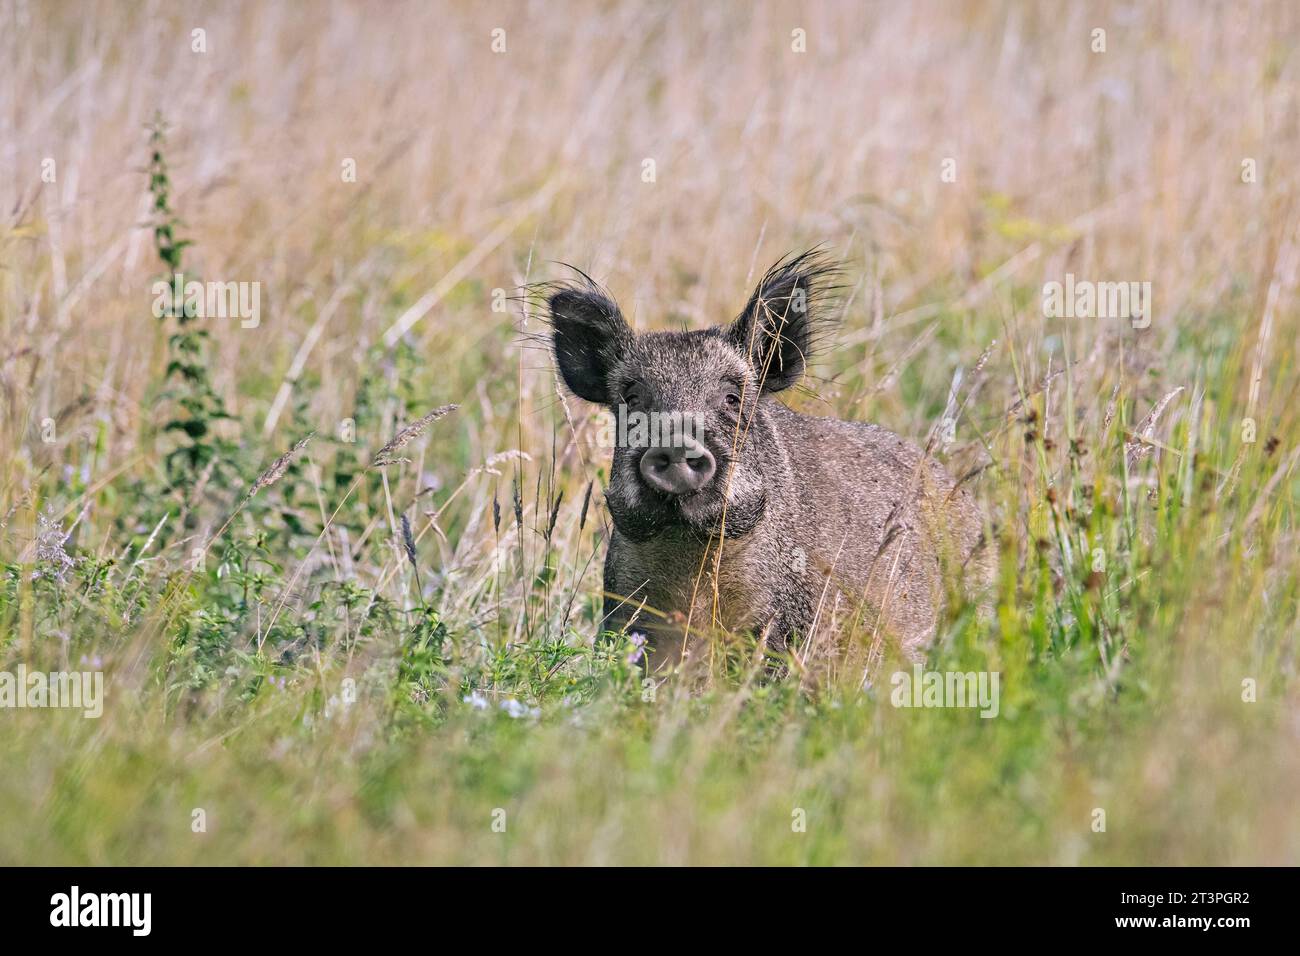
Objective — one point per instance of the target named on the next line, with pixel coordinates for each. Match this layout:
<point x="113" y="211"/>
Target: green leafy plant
<point x="200" y="452"/>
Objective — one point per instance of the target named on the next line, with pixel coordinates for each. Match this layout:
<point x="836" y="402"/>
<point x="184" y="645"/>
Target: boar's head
<point x="694" y="453"/>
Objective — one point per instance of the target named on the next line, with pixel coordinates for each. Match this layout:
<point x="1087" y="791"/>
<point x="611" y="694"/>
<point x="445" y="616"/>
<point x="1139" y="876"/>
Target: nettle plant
<point x="187" y="384"/>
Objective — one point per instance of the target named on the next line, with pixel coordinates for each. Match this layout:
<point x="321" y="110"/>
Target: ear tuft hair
<point x="785" y="317"/>
<point x="588" y="333"/>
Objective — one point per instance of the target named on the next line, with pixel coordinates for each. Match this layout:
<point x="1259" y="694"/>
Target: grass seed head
<point x="408" y="540"/>
<point x="279" y="466"/>
<point x="408" y="435"/>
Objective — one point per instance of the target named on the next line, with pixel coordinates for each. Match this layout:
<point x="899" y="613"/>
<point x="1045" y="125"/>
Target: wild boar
<point x="742" y="513"/>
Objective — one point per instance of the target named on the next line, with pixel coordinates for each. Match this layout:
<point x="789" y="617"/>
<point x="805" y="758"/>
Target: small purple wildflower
<point x="50" y="539"/>
<point x="637" y="640"/>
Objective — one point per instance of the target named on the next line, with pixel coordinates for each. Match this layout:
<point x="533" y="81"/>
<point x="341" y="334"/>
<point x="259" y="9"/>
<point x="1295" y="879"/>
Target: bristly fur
<point x="815" y="272"/>
<point x="820" y="272"/>
<point x="799" y="335"/>
<point x="535" y="299"/>
<point x="580" y="314"/>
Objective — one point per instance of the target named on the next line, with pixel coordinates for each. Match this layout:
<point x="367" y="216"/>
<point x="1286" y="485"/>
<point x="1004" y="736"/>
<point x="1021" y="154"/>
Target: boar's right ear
<point x="589" y="336"/>
<point x="779" y="328"/>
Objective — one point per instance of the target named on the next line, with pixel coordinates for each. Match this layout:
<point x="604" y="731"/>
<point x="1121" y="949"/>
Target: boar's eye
<point x="630" y="398"/>
<point x="733" y="400"/>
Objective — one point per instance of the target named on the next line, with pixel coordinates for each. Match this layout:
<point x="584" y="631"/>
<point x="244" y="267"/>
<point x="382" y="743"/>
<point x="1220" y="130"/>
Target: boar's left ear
<point x="780" y="325"/>
<point x="589" y="336"/>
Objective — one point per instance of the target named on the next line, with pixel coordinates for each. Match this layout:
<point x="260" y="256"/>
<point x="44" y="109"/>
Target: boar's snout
<point x="684" y="467"/>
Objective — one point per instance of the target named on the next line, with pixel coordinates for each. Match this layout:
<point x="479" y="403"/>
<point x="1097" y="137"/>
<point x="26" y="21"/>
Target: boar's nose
<point x="679" y="470"/>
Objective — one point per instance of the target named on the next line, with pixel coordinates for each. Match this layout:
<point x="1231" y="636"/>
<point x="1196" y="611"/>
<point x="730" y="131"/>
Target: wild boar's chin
<point x="640" y="523"/>
<point x="635" y="525"/>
